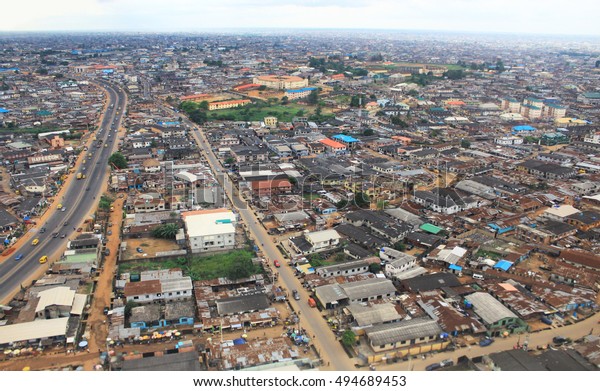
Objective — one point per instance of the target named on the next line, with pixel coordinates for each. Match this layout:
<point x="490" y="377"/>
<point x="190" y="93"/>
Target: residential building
<point x="210" y="230"/>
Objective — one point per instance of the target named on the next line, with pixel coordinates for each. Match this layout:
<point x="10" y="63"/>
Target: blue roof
<point x="455" y="267"/>
<point x="3" y="110"/>
<point x="345" y="138"/>
<point x="301" y="90"/>
<point x="521" y="128"/>
<point x="503" y="264"/>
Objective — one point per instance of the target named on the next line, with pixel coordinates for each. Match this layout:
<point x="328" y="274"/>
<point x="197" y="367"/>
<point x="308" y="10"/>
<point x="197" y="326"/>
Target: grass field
<point x="284" y="113"/>
<point x="199" y="268"/>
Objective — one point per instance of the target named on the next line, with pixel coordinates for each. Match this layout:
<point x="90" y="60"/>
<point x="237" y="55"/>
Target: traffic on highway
<point x="76" y="201"/>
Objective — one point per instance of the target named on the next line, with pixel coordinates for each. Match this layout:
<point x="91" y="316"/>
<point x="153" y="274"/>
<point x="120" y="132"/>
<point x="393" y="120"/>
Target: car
<point x="65" y="223"/>
<point x="276" y="263"/>
<point x="446" y="363"/>
<point x="433" y="367"/>
<point x="87" y="189"/>
<point x="486" y="342"/>
<point x="63" y="236"/>
<point x="560" y="340"/>
<point x="109" y="232"/>
<point x="56" y="234"/>
<point x="105" y="311"/>
<point x="35" y="242"/>
<point x="79" y="229"/>
<point x="296" y="294"/>
<point x="139" y="250"/>
<point x="110" y="224"/>
<point x="42" y="230"/>
<point x="63" y="209"/>
<point x="107" y="252"/>
<point x="121" y="196"/>
<point x="19" y="257"/>
<point x="44" y="259"/>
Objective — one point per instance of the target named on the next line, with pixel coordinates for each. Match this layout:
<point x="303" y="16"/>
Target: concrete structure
<point x="210" y="230"/>
<point x="281" y="82"/>
<point x="228" y="104"/>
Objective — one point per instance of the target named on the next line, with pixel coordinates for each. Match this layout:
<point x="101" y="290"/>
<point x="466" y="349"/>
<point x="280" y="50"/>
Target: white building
<point x="508" y="140"/>
<point x="210" y="230"/>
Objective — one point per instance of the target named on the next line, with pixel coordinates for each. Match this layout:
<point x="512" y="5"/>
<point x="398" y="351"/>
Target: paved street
<point x="330" y="350"/>
<point x="77" y="200"/>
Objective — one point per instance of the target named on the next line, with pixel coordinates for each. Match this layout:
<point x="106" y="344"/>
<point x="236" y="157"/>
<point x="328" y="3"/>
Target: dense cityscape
<point x="299" y="200"/>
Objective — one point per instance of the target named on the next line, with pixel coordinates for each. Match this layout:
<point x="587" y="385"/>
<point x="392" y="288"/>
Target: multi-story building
<point x="510" y="104"/>
<point x="228" y="104"/>
<point x="210" y="230"/>
<point x="299" y="93"/>
<point x="281" y="82"/>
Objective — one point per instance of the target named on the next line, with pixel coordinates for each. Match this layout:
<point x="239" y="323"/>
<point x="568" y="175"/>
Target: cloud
<point x="521" y="16"/>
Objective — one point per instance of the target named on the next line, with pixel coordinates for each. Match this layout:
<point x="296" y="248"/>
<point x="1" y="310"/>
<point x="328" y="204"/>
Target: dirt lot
<point x="150" y="246"/>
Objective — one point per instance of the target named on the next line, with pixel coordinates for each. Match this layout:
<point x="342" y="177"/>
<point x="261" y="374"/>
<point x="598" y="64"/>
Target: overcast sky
<point x="518" y="16"/>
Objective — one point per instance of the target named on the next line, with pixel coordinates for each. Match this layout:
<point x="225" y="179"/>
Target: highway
<point x="78" y="199"/>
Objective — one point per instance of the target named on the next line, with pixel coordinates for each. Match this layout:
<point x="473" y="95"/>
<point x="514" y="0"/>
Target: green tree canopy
<point x="117" y="160"/>
<point x="465" y="143"/>
<point x="349" y="338"/>
<point x="166" y="231"/>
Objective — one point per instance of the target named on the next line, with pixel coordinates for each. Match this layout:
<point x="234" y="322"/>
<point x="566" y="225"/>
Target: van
<point x="44" y="259"/>
<point x="35" y="242"/>
<point x="478" y="276"/>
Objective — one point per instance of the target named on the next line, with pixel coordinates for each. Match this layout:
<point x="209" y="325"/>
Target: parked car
<point x="433" y="367"/>
<point x="560" y="340"/>
<point x="105" y="311"/>
<point x="109" y="232"/>
<point x="63" y="209"/>
<point x="276" y="263"/>
<point x="19" y="257"/>
<point x="79" y="229"/>
<point x="139" y="250"/>
<point x="63" y="236"/>
<point x="42" y="230"/>
<point x="296" y="294"/>
<point x="486" y="342"/>
<point x="446" y="363"/>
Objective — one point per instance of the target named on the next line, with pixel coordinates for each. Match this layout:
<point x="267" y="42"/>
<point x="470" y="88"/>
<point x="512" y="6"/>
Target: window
<point x="136" y="297"/>
<point x="184" y="292"/>
<point x="170" y="293"/>
<point x="147" y="296"/>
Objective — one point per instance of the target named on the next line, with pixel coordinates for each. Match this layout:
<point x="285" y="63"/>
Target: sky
<point x="574" y="17"/>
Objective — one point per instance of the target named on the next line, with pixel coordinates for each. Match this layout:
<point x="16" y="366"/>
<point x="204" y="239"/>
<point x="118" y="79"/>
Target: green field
<point x="237" y="263"/>
<point x="284" y="113"/>
<point x="392" y="67"/>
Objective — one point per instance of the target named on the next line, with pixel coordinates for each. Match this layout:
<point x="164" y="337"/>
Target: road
<point x="311" y="319"/>
<point x="78" y="198"/>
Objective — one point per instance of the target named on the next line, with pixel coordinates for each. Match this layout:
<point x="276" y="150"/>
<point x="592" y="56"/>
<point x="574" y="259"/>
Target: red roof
<point x="193" y="97"/>
<point x="275" y="183"/>
<point x="331" y="143"/>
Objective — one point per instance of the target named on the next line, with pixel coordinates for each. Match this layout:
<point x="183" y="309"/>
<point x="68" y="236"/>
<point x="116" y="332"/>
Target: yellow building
<point x="281" y="82"/>
<point x="228" y="104"/>
<point x="270" y="121"/>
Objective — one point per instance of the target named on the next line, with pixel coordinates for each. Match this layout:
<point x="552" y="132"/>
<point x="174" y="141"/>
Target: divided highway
<point x="78" y="199"/>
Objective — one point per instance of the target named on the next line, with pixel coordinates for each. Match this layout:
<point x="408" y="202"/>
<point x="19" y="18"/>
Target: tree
<point x="203" y="105"/>
<point x="117" y="160"/>
<point x="414" y="93"/>
<point x="42" y="71"/>
<point x="285" y="100"/>
<point x="396" y="120"/>
<point x="339" y="257"/>
<point x="229" y="160"/>
<point x="348" y="338"/>
<point x="464" y="143"/>
<point x="454" y="74"/>
<point x="129" y="306"/>
<point x="368" y="132"/>
<point x="198" y="116"/>
<point x="240" y="268"/>
<point x="262" y="88"/>
<point x="105" y="203"/>
<point x="362" y="200"/>
<point x="341" y="204"/>
<point x="374" y="268"/>
<point x="500" y="66"/>
<point x="399" y="246"/>
<point x="313" y="97"/>
<point x="377" y="57"/>
<point x="166" y="231"/>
